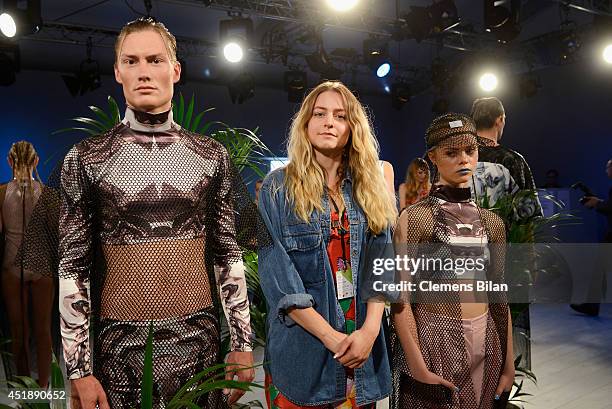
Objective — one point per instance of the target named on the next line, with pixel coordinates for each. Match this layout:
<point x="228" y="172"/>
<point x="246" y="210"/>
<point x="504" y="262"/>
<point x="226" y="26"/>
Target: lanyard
<point x="341" y="228"/>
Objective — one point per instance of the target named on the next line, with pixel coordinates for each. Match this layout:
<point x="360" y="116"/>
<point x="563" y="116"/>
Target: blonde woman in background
<point x="417" y="184"/>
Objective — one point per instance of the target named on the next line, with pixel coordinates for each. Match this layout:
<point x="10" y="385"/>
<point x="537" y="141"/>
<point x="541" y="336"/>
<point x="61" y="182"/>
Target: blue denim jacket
<point x="295" y="273"/>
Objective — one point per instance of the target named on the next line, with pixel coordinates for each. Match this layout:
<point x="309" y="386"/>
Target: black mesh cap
<point x="451" y="128"/>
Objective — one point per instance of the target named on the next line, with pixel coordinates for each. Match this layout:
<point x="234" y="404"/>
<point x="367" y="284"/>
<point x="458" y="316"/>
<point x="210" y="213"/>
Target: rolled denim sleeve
<point x="280" y="281"/>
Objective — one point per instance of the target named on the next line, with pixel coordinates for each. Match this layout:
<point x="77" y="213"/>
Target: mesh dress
<point x="151" y="225"/>
<point x="17" y="209"/>
<point x="471" y="352"/>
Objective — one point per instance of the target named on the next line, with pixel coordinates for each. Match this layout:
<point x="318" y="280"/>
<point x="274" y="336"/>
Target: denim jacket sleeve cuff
<point x="300" y="301"/>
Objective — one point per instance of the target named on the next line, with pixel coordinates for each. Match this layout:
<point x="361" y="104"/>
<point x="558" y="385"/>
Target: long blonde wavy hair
<point x="305" y="178"/>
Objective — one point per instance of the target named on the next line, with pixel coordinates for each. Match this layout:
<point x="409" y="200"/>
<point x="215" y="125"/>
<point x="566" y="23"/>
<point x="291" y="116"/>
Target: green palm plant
<point x="523" y="226"/>
<point x="202" y="383"/>
<point x="26" y="382"/>
<point x="522" y="374"/>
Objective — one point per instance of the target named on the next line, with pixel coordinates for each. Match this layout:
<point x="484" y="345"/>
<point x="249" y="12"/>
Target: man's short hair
<point x="485" y="111"/>
<point x="143" y="24"/>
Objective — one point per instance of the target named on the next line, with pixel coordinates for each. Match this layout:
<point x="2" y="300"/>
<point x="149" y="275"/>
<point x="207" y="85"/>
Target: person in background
<point x="603" y="207"/>
<point x="257" y="189"/>
<point x="500" y="170"/>
<point x="18" y="198"/>
<point x="552" y="179"/>
<point x="417" y="183"/>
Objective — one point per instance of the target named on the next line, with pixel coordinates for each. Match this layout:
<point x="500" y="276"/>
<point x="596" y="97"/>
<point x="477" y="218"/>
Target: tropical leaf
<point x="207" y="126"/>
<point x="210" y="379"/>
<point x="102" y="116"/>
<point x="57" y="380"/>
<point x="187" y="120"/>
<point x="259" y="308"/>
<point x="115" y="114"/>
<point x="76" y="129"/>
<point x="146" y="401"/>
<point x="94" y="124"/>
<point x="198" y="119"/>
<point x="248" y="405"/>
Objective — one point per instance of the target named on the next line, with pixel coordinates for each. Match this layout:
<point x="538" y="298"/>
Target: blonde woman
<point x="18" y="198"/>
<point x="417" y="183"/>
<point x="325" y="345"/>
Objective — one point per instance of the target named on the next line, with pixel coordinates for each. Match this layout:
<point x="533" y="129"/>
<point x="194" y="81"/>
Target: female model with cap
<point x="455" y="346"/>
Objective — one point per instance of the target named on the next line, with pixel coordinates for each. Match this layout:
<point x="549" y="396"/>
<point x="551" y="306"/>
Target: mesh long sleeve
<point x="229" y="268"/>
<point x="75" y="265"/>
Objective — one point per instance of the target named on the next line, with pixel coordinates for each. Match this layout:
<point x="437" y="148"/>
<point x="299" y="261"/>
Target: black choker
<point x="452" y="194"/>
<point x="151" y="119"/>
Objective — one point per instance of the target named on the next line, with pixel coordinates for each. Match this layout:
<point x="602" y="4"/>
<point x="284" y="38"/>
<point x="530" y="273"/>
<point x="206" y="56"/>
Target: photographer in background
<point x="604" y="207"/>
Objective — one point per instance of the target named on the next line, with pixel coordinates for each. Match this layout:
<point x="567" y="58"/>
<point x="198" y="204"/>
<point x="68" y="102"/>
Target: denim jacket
<point x="295" y="272"/>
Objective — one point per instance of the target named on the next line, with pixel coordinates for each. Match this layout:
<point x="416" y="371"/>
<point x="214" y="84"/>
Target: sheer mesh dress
<point x="444" y="226"/>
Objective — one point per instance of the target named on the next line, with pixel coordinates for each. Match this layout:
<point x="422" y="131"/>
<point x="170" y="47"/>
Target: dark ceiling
<point x="287" y="30"/>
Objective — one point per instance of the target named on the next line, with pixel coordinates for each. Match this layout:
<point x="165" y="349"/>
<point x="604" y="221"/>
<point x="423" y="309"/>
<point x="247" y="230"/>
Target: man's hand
<point x="86" y="393"/>
<point x="591" y="201"/>
<point x="356" y="348"/>
<point x="241" y="360"/>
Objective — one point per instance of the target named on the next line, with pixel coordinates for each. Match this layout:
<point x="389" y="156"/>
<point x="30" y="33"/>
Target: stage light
<point x="10" y="61"/>
<point x="488" y="82"/>
<point x="295" y="85"/>
<point x="424" y="21"/>
<point x="400" y="94"/>
<point x="233" y="52"/>
<point x="20" y="18"/>
<point x="87" y="78"/>
<point x="320" y="63"/>
<point x="504" y="22"/>
<point x="383" y="70"/>
<point x="235" y="35"/>
<point x="342" y="5"/>
<point x="242" y="88"/>
<point x="387" y="89"/>
<point x="376" y="55"/>
<point x="8" y="27"/>
<point x="569" y="41"/>
<point x="607" y="54"/>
